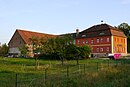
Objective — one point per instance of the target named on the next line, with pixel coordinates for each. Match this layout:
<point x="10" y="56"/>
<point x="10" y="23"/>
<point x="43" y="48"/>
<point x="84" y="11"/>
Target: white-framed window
<point x="92" y="41"/>
<point x="86" y="41"/>
<point x="97" y="49"/>
<point x="108" y="39"/>
<point x="83" y="35"/>
<point x="120" y="49"/>
<point x="101" y="49"/>
<point x="74" y="42"/>
<point x="83" y="42"/>
<point x="108" y="49"/>
<point x="78" y="41"/>
<point x="97" y="40"/>
<point x="101" y="39"/>
<point x="116" y="49"/>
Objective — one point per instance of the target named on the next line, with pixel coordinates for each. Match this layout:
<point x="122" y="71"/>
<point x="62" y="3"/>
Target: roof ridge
<point x="25" y="35"/>
<point x="33" y="32"/>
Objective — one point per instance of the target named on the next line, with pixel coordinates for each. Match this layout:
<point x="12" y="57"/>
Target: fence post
<point x="108" y="63"/>
<point x="97" y="66"/>
<point x="79" y="68"/>
<point x="16" y="80"/>
<point x="67" y="70"/>
<point x="45" y="77"/>
<point x="116" y="63"/>
<point x="84" y="68"/>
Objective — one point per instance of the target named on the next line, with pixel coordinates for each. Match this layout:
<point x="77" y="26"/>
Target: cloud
<point x="125" y="2"/>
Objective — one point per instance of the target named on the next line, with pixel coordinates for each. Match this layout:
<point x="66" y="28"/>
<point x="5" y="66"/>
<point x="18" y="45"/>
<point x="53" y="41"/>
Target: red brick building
<point x="103" y="39"/>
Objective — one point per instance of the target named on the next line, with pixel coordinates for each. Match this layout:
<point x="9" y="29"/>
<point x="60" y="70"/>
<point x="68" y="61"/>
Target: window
<point x="114" y="49"/>
<point x="102" y="33"/>
<point x="78" y="41"/>
<point x="83" y="41"/>
<point x="86" y="41"/>
<point x="97" y="40"/>
<point x="108" y="39"/>
<point x="73" y="41"/>
<point x="83" y="35"/>
<point x="108" y="49"/>
<point x="121" y="49"/>
<point x="101" y="49"/>
<point x="92" y="41"/>
<point x="101" y="39"/>
<point x="115" y="39"/>
<point x="122" y="41"/>
<point x="97" y="49"/>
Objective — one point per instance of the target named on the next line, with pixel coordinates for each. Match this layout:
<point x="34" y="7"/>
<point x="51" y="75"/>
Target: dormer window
<point x="83" y="35"/>
<point x="102" y="33"/>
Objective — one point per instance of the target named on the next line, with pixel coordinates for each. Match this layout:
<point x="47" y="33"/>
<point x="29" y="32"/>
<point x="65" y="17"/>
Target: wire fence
<point x="61" y="75"/>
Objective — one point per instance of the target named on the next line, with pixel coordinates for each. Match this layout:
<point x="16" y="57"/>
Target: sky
<point x="59" y="16"/>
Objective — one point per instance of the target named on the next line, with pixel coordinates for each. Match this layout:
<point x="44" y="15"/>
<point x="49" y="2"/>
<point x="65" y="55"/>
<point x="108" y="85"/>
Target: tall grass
<point x="50" y="73"/>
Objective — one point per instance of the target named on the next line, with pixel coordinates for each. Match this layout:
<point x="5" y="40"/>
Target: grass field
<point x="21" y="72"/>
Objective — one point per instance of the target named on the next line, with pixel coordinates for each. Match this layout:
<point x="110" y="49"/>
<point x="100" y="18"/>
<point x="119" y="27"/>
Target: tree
<point x="85" y="51"/>
<point x="35" y="42"/>
<point x="24" y="50"/>
<point x="72" y="51"/>
<point x="62" y="43"/>
<point x="4" y="49"/>
<point x="56" y="46"/>
<point x="75" y="52"/>
<point x="126" y="29"/>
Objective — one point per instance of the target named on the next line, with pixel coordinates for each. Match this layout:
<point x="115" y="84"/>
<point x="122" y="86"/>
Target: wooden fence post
<point x="108" y="63"/>
<point x="97" y="66"/>
<point x="67" y="70"/>
<point x="45" y="77"/>
<point x="84" y="68"/>
<point x="79" y="68"/>
<point x="16" y="80"/>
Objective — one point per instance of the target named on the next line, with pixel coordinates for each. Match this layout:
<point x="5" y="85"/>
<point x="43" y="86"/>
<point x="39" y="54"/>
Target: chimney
<point x="77" y="32"/>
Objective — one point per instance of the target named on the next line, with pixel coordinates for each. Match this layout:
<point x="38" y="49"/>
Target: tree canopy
<point x="125" y="27"/>
<point x="4" y="49"/>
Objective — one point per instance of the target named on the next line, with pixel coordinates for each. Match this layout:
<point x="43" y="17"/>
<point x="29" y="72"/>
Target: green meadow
<point x="27" y="72"/>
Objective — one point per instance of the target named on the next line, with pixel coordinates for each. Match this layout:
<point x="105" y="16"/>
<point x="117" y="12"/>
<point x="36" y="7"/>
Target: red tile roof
<point x="26" y="35"/>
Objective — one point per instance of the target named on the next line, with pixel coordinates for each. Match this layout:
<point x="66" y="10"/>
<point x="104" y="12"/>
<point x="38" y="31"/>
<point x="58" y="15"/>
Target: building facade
<point x="103" y="39"/>
<point x="23" y="37"/>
